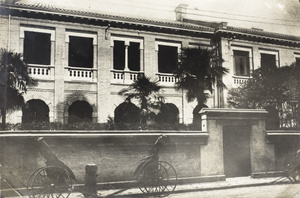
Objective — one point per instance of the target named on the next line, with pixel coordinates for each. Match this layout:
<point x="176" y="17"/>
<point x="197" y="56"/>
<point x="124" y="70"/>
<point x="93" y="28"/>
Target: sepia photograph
<point x="161" y="98"/>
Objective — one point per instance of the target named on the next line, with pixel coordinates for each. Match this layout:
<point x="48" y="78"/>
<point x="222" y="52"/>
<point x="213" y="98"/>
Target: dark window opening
<point x="167" y="59"/>
<point x="268" y="61"/>
<point x="35" y="111"/>
<point x="37" y="48"/>
<point x="134" y="56"/>
<point x="119" y="55"/>
<point x="80" y="111"/>
<point x="241" y="63"/>
<point x="81" y="52"/>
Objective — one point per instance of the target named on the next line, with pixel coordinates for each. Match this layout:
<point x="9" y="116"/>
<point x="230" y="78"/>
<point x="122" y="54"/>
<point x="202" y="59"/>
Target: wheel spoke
<point x="59" y="176"/>
<point x="160" y="178"/>
<point x="49" y="182"/>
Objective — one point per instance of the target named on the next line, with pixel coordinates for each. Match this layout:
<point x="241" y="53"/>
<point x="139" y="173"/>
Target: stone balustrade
<point x="166" y="79"/>
<point x="41" y="71"/>
<point x="239" y="80"/>
<point x="124" y="77"/>
<point x="80" y="74"/>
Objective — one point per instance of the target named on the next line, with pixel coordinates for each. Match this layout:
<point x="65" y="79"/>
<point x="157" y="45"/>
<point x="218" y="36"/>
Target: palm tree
<point x="14" y="80"/>
<point x="143" y="89"/>
<point x="199" y="70"/>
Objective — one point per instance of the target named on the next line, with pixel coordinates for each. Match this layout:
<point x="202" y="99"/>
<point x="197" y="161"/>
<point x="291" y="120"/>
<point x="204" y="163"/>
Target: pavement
<point x="236" y="182"/>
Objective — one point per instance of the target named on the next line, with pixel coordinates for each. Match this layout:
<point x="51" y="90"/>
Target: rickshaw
<point x="53" y="180"/>
<point x="56" y="178"/>
<point x="155" y="176"/>
<point x="291" y="168"/>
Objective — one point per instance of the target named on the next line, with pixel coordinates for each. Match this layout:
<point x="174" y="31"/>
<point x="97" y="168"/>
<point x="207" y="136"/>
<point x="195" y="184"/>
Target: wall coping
<point x="283" y="132"/>
<point x="91" y="134"/>
<point x="221" y="113"/>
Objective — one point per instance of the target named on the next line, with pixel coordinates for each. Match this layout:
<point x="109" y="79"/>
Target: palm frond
<point x="13" y="74"/>
<point x="199" y="70"/>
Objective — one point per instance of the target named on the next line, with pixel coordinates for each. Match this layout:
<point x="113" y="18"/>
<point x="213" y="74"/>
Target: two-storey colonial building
<point x="82" y="59"/>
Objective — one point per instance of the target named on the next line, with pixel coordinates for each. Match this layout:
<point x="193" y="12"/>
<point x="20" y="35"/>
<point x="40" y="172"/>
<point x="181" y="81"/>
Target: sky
<point x="281" y="16"/>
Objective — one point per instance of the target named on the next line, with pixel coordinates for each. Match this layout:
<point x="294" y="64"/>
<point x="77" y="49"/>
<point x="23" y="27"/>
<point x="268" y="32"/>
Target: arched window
<point x="168" y="114"/>
<point x="35" y="111"/>
<point x="127" y="112"/>
<point x="80" y="111"/>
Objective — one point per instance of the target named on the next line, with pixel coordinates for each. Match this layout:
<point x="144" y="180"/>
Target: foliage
<point x="58" y="126"/>
<point x="198" y="71"/>
<point x="272" y="89"/>
<point x="14" y="73"/>
<point x="14" y="80"/>
<point x="88" y="126"/>
<point x="146" y="92"/>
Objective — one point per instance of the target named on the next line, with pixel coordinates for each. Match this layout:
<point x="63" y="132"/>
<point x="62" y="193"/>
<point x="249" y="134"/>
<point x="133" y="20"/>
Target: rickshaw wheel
<point x="50" y="181"/>
<point x="294" y="173"/>
<point x="30" y="179"/>
<point x="157" y="179"/>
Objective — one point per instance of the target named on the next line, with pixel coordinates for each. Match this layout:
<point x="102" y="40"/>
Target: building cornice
<point x="258" y="36"/>
<point x="40" y="11"/>
<point x="184" y="27"/>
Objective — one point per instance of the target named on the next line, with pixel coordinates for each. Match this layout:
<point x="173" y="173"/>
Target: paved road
<point x="270" y="191"/>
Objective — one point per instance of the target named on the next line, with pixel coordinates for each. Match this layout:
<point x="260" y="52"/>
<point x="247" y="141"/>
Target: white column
<point x="126" y="56"/>
<point x="156" y="59"/>
<point x="95" y="61"/>
<point x="66" y="58"/>
<point x="142" y="66"/>
<point x="66" y="63"/>
<point x="52" y="50"/>
<point x="21" y="50"/>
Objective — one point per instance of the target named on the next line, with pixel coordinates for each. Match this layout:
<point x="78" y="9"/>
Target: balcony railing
<point x="166" y="79"/>
<point x="80" y="74"/>
<point x="41" y="71"/>
<point x="125" y="77"/>
<point x="239" y="80"/>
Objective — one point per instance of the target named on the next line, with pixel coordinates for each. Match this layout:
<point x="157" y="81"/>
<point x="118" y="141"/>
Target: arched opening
<point x="127" y="112"/>
<point x="35" y="111"/>
<point x="169" y="114"/>
<point x="80" y="111"/>
<point x="197" y="116"/>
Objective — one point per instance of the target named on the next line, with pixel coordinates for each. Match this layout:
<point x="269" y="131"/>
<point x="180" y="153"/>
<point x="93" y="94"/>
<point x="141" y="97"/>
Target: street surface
<point x="265" y="191"/>
<point x="269" y="191"/>
<point x="242" y="187"/>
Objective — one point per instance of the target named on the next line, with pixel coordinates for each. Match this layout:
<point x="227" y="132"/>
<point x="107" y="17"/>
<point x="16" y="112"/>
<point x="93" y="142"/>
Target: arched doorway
<point x="169" y="114"/>
<point x="127" y="112"/>
<point x="80" y="111"/>
<point x="35" y="111"/>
